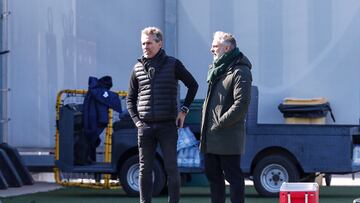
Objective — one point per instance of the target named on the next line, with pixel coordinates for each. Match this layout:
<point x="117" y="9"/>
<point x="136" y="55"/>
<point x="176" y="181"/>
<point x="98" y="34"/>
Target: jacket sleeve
<point x="133" y="97"/>
<point x="189" y="81"/>
<point x="242" y="96"/>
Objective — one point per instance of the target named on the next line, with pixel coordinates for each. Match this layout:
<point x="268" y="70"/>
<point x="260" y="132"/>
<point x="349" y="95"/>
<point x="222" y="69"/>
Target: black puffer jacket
<point x="157" y="89"/>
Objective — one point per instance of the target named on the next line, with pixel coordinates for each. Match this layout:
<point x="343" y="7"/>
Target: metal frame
<point x="4" y="90"/>
<point x="170" y="31"/>
<point x="107" y="155"/>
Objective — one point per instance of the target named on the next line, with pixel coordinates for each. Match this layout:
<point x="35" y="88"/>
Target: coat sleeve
<point x="241" y="95"/>
<point x="133" y="97"/>
<point x="189" y="81"/>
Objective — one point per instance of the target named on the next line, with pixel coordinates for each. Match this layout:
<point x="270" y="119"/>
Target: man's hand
<point x="180" y="119"/>
<point x="139" y="124"/>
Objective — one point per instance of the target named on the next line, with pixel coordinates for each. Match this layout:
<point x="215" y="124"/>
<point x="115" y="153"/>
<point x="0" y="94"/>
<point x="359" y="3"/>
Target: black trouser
<point x="219" y="168"/>
<point x="164" y="133"/>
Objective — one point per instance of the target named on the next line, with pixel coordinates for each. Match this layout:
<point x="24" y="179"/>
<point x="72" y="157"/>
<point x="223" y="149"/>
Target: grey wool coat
<point x="225" y="108"/>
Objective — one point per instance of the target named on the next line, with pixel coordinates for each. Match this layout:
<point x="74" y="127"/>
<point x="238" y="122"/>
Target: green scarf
<point x="221" y="64"/>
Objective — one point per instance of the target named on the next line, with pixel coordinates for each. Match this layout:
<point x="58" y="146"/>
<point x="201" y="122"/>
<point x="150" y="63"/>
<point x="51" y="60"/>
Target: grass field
<point x="334" y="194"/>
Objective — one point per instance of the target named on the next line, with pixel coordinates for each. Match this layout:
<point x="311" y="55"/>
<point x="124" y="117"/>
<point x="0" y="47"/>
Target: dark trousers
<point x="219" y="168"/>
<point x="148" y="136"/>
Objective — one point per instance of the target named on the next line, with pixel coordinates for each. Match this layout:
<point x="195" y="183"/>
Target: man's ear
<point x="227" y="48"/>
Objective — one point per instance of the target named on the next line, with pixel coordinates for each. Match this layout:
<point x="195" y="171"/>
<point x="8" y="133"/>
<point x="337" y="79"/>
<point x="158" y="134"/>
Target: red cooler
<point x="299" y="193"/>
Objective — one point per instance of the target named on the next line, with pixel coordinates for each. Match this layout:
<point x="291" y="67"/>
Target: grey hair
<point x="153" y="31"/>
<point x="225" y="38"/>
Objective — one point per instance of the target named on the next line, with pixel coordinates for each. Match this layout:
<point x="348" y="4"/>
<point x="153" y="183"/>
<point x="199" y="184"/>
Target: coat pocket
<point x="216" y="117"/>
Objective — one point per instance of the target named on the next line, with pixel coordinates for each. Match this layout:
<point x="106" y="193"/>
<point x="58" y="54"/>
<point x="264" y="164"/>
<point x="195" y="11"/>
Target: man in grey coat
<point x="223" y="118"/>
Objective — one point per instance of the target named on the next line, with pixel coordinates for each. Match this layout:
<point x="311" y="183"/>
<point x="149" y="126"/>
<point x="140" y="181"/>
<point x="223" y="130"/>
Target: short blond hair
<point x="153" y="31"/>
<point x="225" y="38"/>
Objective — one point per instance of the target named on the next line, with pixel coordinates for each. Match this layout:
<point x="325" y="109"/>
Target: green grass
<point x="334" y="194"/>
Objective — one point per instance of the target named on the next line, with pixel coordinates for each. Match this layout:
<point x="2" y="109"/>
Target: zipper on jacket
<point x="152" y="93"/>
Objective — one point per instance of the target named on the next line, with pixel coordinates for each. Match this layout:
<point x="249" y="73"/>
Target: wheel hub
<point x="133" y="177"/>
<point x="276" y="178"/>
<point x="273" y="176"/>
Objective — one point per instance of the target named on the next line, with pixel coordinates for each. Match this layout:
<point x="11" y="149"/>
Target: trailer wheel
<point x="271" y="171"/>
<point x="129" y="177"/>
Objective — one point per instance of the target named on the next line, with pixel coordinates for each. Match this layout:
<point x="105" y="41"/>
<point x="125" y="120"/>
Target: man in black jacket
<point x="152" y="104"/>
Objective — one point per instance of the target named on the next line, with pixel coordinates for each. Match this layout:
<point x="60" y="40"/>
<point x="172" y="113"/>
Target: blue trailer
<point x="275" y="153"/>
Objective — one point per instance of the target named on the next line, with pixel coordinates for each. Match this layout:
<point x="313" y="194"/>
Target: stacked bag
<point x="188" y="153"/>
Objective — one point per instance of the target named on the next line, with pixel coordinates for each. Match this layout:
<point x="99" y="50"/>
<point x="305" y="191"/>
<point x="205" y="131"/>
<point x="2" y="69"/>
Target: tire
<point x="129" y="177"/>
<point x="271" y="171"/>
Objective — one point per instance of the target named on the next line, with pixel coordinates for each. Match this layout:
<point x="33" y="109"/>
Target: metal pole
<point x="170" y="32"/>
<point x="4" y="90"/>
<point x="1" y="74"/>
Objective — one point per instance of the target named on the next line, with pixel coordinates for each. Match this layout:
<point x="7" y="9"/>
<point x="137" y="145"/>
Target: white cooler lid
<point x="292" y="187"/>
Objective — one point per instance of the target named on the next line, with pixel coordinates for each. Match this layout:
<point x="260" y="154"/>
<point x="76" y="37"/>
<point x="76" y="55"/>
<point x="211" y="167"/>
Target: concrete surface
<point x="29" y="189"/>
<point x="45" y="182"/>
